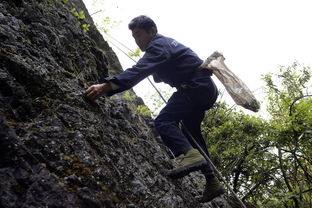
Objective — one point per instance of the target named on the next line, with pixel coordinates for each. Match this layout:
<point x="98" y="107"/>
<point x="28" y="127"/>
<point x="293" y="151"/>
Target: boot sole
<point x="183" y="171"/>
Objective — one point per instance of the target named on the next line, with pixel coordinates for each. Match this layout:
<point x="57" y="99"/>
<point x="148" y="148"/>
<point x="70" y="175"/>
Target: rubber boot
<point x="189" y="162"/>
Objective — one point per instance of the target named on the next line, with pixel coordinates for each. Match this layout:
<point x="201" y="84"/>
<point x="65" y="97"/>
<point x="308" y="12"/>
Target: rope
<point x="184" y="127"/>
<point x="214" y="167"/>
<point x="149" y="80"/>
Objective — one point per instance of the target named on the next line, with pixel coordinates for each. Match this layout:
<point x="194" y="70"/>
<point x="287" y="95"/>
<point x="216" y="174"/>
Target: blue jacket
<point x="168" y="61"/>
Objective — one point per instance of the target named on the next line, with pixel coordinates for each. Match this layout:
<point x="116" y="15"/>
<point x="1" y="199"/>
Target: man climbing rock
<point x="177" y="65"/>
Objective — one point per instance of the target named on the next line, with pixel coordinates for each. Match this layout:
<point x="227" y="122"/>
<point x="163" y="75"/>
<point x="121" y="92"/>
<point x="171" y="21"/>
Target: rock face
<point x="59" y="150"/>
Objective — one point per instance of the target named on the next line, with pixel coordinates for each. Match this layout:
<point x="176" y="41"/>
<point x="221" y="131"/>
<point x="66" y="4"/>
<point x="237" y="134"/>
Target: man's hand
<point x="97" y="90"/>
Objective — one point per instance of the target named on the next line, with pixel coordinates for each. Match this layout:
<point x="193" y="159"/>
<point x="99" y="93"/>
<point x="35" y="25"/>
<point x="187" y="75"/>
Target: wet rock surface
<point x="56" y="148"/>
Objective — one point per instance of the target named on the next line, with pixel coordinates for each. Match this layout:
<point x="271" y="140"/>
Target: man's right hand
<point x="97" y="90"/>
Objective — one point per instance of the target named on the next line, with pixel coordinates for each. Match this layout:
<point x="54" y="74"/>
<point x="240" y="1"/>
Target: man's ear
<point x="153" y="31"/>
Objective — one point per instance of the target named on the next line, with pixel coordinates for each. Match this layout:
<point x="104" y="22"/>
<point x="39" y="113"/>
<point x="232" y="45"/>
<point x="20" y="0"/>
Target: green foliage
<point x="154" y="100"/>
<point x="238" y="147"/>
<point x="290" y="126"/>
<point x="128" y="96"/>
<point x="135" y="53"/>
<point x="293" y="80"/>
<point x="79" y="14"/>
<point x="107" y="24"/>
<point x="85" y="27"/>
<point x="268" y="162"/>
<point x="141" y="109"/>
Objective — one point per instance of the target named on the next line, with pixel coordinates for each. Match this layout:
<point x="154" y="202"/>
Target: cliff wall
<point x="56" y="148"/>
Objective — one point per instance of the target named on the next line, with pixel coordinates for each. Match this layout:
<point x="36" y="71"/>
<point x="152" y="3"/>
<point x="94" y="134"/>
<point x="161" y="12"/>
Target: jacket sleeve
<point x="155" y="58"/>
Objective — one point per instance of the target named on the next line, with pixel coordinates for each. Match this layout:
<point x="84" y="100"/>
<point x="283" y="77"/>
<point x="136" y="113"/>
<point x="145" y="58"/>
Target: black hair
<point x="142" y="22"/>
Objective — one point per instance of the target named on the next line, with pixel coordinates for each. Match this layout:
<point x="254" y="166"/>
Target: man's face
<point x="142" y="38"/>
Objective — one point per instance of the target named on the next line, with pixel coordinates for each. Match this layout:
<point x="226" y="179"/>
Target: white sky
<point x="255" y="36"/>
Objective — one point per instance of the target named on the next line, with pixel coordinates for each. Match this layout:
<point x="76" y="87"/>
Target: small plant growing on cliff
<point x="80" y="16"/>
<point x="141" y="109"/>
<point x="86" y="27"/>
<point x="128" y="96"/>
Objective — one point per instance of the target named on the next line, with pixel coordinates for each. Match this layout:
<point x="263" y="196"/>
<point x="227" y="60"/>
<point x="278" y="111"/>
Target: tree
<point x="268" y="162"/>
<point x="290" y="129"/>
<point x="239" y="148"/>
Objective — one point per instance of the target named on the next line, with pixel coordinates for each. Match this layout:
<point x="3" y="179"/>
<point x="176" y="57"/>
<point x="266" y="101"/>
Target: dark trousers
<point x="188" y="106"/>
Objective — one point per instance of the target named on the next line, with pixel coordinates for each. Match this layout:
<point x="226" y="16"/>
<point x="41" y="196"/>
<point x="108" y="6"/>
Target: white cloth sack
<point x="240" y="93"/>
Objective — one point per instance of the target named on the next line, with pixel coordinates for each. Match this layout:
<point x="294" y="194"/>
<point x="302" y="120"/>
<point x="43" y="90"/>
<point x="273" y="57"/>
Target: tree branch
<point x="285" y="175"/>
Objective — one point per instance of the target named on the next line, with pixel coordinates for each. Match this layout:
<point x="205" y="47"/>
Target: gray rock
<point x="58" y="149"/>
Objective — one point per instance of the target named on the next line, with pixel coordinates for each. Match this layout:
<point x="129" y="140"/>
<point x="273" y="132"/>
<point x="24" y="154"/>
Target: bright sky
<point x="255" y="36"/>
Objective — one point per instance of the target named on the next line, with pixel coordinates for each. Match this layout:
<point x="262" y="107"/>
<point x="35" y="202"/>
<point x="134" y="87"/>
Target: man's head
<point x="143" y="30"/>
